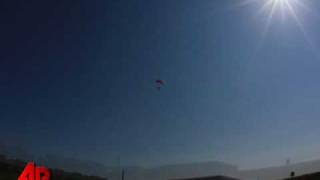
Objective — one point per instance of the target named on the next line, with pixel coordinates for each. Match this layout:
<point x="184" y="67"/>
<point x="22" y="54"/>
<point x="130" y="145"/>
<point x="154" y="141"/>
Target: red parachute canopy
<point x="160" y="83"/>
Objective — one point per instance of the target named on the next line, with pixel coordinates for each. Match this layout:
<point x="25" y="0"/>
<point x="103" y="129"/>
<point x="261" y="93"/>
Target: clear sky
<point x="77" y="78"/>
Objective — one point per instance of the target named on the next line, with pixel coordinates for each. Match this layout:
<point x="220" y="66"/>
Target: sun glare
<point x="284" y="7"/>
<point x="284" y="10"/>
<point x="279" y="8"/>
<point x="275" y="9"/>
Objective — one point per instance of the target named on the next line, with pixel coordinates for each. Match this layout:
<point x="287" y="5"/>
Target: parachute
<point x="160" y="83"/>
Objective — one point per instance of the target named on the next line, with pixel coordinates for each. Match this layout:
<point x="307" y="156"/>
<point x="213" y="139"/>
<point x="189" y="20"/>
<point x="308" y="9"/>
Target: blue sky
<point x="77" y="79"/>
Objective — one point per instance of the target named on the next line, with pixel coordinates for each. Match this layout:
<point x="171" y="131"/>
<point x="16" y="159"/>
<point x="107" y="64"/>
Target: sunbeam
<point x="283" y="9"/>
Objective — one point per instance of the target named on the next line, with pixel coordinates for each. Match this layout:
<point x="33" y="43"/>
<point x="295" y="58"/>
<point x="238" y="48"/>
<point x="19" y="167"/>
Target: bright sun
<point x="284" y="7"/>
<point x="284" y="10"/>
<point x="279" y="8"/>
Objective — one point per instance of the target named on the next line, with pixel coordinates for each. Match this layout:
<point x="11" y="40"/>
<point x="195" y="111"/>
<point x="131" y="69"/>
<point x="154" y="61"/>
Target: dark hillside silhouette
<point x="314" y="176"/>
<point x="210" y="178"/>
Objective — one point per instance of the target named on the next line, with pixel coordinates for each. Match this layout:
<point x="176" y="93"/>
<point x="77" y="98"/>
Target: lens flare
<point x="274" y="8"/>
<point x="285" y="8"/>
<point x="282" y="9"/>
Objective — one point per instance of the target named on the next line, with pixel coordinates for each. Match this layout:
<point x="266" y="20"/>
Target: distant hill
<point x="195" y="170"/>
<point x="209" y="178"/>
<point x="186" y="170"/>
<point x="314" y="176"/>
<point x="75" y="165"/>
<point x="281" y="172"/>
<point x="176" y="171"/>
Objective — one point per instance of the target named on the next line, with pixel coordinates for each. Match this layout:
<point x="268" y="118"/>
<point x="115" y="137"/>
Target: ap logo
<point x="31" y="172"/>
